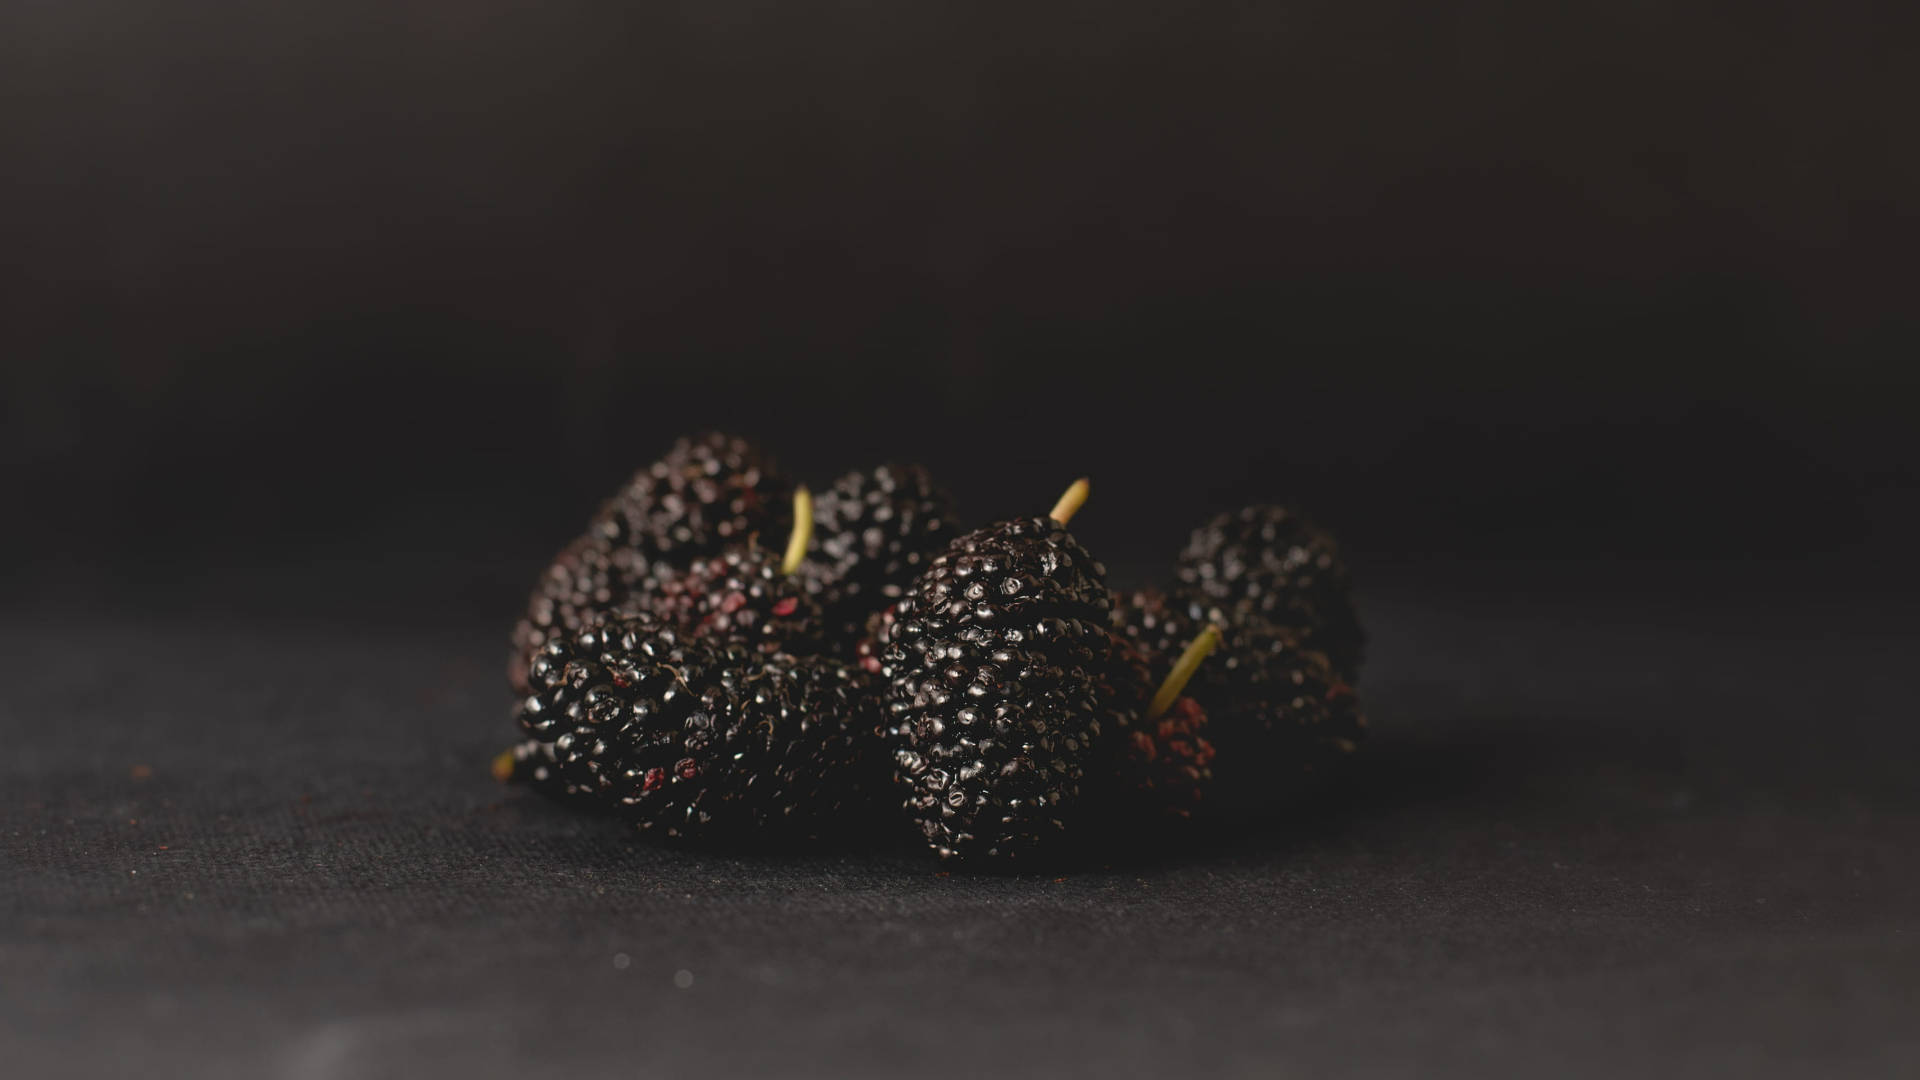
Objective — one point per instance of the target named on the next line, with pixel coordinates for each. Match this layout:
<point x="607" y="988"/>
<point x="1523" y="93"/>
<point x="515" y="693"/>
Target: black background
<point x="1605" y="280"/>
<point x="1590" y="325"/>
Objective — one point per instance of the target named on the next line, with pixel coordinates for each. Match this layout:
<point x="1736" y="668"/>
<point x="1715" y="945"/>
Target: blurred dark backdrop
<point x="392" y="292"/>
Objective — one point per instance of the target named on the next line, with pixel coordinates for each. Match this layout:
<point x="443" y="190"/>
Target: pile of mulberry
<point x="722" y="658"/>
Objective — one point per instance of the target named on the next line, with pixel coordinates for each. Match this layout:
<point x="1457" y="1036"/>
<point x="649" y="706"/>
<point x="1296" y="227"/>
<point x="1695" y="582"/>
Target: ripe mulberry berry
<point x="1284" y="734"/>
<point x="1273" y="712"/>
<point x="534" y="763"/>
<point x="708" y="492"/>
<point x="1274" y="564"/>
<point x="874" y="531"/>
<point x="702" y="740"/>
<point x="1161" y="755"/>
<point x="995" y="663"/>
<point x="741" y="596"/>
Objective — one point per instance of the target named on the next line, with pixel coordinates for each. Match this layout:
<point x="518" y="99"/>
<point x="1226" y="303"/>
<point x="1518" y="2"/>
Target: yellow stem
<point x="802" y="530"/>
<point x="503" y="766"/>
<point x="1183" y="669"/>
<point x="1070" y="503"/>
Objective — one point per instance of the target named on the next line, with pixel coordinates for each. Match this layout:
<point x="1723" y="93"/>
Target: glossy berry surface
<point x="697" y="739"/>
<point x="995" y="661"/>
<point x="1274" y="565"/>
<point x="708" y="492"/>
<point x="874" y="532"/>
<point x="740" y="597"/>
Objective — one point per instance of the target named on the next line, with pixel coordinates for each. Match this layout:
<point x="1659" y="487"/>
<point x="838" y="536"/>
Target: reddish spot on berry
<point x="734" y="602"/>
<point x="1143" y="743"/>
<point x="786" y="606"/>
<point x="654" y="778"/>
<point x="686" y="769"/>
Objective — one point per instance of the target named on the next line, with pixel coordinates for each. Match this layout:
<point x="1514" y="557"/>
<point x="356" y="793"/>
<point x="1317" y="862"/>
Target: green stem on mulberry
<point x="802" y="530"/>
<point x="1071" y="501"/>
<point x="1183" y="669"/>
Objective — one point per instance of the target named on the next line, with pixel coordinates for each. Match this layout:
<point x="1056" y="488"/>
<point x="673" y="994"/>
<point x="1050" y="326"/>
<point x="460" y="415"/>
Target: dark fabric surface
<point x="1596" y="836"/>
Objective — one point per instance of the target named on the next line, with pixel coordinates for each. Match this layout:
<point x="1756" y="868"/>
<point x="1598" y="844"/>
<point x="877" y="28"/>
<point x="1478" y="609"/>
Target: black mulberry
<point x="1275" y="715"/>
<point x="1273" y="564"/>
<point x="874" y="531"/>
<point x="1160" y="761"/>
<point x="701" y="740"/>
<point x="709" y="491"/>
<point x="995" y="662"/>
<point x="741" y="596"/>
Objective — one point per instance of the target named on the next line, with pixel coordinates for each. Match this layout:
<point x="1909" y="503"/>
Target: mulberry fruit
<point x="701" y="739"/>
<point x="995" y="663"/>
<point x="1273" y="564"/>
<point x="1157" y="624"/>
<point x="1287" y="719"/>
<point x="1162" y="753"/>
<point x="1167" y="762"/>
<point x="709" y="491"/>
<point x="534" y="763"/>
<point x="589" y="577"/>
<point x="1274" y="714"/>
<point x="874" y="531"/>
<point x="741" y="596"/>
